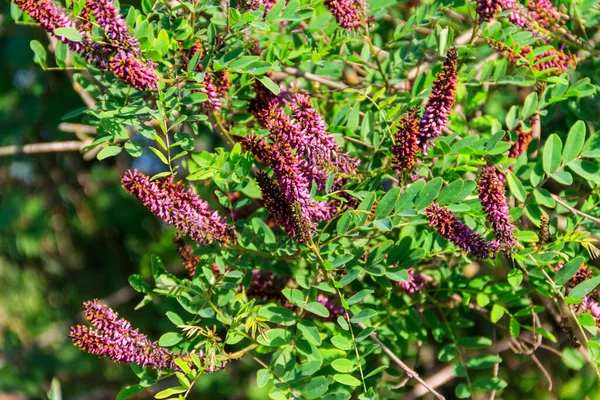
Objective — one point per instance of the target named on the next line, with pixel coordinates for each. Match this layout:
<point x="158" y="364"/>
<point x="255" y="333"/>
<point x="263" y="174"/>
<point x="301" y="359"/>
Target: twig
<point x="315" y="78"/>
<point x="49" y="147"/>
<point x="575" y="211"/>
<point x="402" y="365"/>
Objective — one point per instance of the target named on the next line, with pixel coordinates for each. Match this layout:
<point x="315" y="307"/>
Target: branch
<point x="575" y="211"/>
<point x="411" y="373"/>
<point x="315" y="78"/>
<point x="49" y="147"/>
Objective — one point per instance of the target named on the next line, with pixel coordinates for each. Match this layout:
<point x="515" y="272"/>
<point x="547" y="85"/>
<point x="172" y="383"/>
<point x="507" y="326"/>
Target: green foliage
<point x="344" y="325"/>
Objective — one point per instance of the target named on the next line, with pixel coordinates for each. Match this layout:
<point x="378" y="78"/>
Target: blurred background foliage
<point x="69" y="233"/>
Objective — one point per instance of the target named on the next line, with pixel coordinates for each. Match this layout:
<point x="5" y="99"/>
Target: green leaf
<point x="575" y="142"/>
<point x="552" y="154"/>
<point x="310" y="331"/>
<point x="138" y="284"/>
<point x="585" y="287"/>
<point x="39" y="53"/>
<point x="475" y="342"/>
<point x="317" y="308"/>
<point x="516" y="187"/>
<point x="160" y="155"/>
<point x="344" y="365"/>
<point x="544" y="198"/>
<point x="490" y="384"/>
<point x="353" y="117"/>
<point x="387" y="203"/>
<point x="515" y="277"/>
<point x="462" y="391"/>
<point x="450" y="192"/>
<point x="530" y="105"/>
<point x="108" y="151"/>
<point x="341" y="342"/>
<point x="175" y="319"/>
<point x="269" y="84"/>
<point x="161" y="43"/>
<point x="263" y="376"/>
<point x="170" y="339"/>
<point x="568" y="270"/>
<point x="346" y="379"/>
<point x="484" y="361"/>
<point x="134" y="149"/>
<point x="497" y="313"/>
<point x="428" y="193"/>
<point x="358" y="297"/>
<point x="295" y="296"/>
<point x="586" y="169"/>
<point x="55" y="392"/>
<point x="514" y="327"/>
<point x="129" y="392"/>
<point x="71" y="34"/>
<point x="406" y="200"/>
<point x="316" y="387"/>
<point x="562" y="176"/>
<point x="275" y="338"/>
<point x="363" y="315"/>
<point x="158" y="268"/>
<point x="170" y="392"/>
<point x="448" y="353"/>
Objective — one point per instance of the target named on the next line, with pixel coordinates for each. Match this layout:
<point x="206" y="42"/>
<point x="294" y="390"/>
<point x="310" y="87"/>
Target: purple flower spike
<point x="179" y="207"/>
<point x="51" y="17"/>
<point x="440" y="102"/>
<point x="350" y="14"/>
<point x="132" y="71"/>
<point x="493" y="201"/>
<point x="114" y="338"/>
<point x="413" y="284"/>
<point x="450" y="227"/>
<point x="523" y="139"/>
<point x="406" y="148"/>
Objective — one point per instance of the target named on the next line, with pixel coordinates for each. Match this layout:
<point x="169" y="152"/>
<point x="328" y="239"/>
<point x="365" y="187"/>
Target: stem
<point x="409" y="371"/>
<point x="575" y="211"/>
<point x="50" y="147"/>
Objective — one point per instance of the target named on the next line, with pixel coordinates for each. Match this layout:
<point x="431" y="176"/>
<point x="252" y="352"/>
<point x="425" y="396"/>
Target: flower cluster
<point x="583" y="273"/>
<point x="544" y="232"/>
<point x="350" y="14"/>
<point x="440" y="102"/>
<point x="554" y="61"/>
<point x="255" y="4"/>
<point x="119" y="51"/>
<point x="190" y="261"/>
<point x="406" y="148"/>
<point x="523" y="139"/>
<point x="51" y="17"/>
<point x="179" y="207"/>
<point x="450" y="227"/>
<point x="113" y="337"/>
<point x="266" y="286"/>
<point x="538" y="12"/>
<point x="493" y="200"/>
<point x="413" y="284"/>
<point x="216" y="85"/>
<point x="300" y="152"/>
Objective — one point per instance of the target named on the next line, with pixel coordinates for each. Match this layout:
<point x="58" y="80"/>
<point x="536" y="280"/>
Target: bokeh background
<point x="69" y="233"/>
